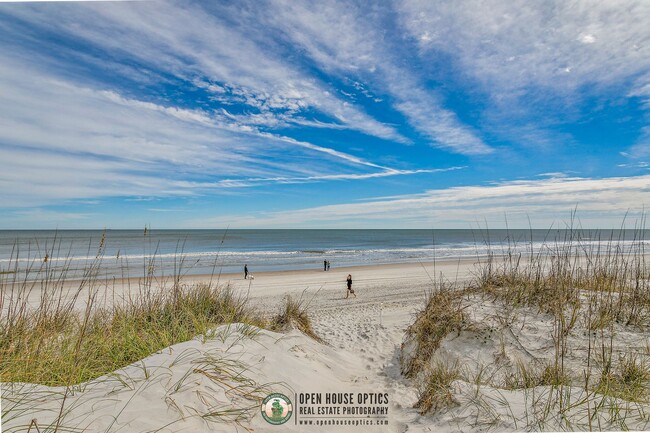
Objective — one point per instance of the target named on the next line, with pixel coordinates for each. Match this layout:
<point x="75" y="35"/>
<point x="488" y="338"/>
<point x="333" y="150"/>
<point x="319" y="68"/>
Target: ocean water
<point x="133" y="253"/>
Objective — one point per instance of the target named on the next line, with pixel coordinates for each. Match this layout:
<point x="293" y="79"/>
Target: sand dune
<point x="215" y="384"/>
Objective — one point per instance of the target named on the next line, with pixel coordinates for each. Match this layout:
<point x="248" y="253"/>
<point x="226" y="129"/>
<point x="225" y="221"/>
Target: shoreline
<point x="274" y="284"/>
<point x="266" y="289"/>
<point x="379" y="269"/>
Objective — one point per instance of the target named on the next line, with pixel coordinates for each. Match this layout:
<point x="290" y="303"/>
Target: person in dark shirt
<point x="350" y="290"/>
<point x="245" y="271"/>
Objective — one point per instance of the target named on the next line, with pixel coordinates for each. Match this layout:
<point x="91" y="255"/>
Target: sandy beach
<point x="374" y="283"/>
<point x="268" y="288"/>
<point x="360" y="354"/>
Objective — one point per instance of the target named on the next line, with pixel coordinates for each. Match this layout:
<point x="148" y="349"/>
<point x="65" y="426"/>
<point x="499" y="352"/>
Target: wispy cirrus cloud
<point x="511" y="46"/>
<point x="539" y="63"/>
<point x="354" y="43"/>
<point x="542" y="202"/>
<point x="188" y="43"/>
<point x="75" y="142"/>
<point x="641" y="148"/>
<point x="256" y="181"/>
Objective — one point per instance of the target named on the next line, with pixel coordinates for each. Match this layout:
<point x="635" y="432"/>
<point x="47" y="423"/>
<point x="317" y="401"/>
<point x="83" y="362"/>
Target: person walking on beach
<point x="245" y="272"/>
<point x="328" y="265"/>
<point x="324" y="265"/>
<point x="350" y="287"/>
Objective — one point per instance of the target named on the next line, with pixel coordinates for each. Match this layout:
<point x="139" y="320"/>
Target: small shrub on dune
<point x="294" y="313"/>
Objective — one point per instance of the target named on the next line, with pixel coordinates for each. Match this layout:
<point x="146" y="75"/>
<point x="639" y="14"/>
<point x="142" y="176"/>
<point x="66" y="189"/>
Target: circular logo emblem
<point x="277" y="408"/>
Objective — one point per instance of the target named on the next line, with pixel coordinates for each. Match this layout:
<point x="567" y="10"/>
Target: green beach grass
<point x="71" y="334"/>
<point x="593" y="291"/>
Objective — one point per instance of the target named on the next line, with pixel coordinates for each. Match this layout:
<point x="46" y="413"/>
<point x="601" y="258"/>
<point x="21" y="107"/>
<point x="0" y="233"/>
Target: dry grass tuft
<point x="293" y="313"/>
<point x="530" y="376"/>
<point x="442" y="315"/>
<point x="436" y="392"/>
<point x="630" y="380"/>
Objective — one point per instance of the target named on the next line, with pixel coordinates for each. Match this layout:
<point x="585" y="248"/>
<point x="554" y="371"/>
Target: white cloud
<point x="36" y="217"/>
<point x="59" y="141"/>
<point x="553" y="174"/>
<point x="536" y="60"/>
<point x="31" y="178"/>
<point x="600" y="202"/>
<point x="256" y="181"/>
<point x="346" y="39"/>
<point x="188" y="43"/>
<point x="510" y="45"/>
<point x="586" y="38"/>
<point x="642" y="147"/>
<point x="641" y="90"/>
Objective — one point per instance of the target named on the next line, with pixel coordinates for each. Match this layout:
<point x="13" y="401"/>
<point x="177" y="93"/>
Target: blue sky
<point x="332" y="114"/>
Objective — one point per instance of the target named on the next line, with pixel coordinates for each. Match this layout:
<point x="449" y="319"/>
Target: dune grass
<point x="629" y="380"/>
<point x="436" y="388"/>
<point x="590" y="289"/>
<point x="294" y="313"/>
<point x="76" y="330"/>
<point x="575" y="271"/>
<point x="63" y="346"/>
<point x="442" y="315"/>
